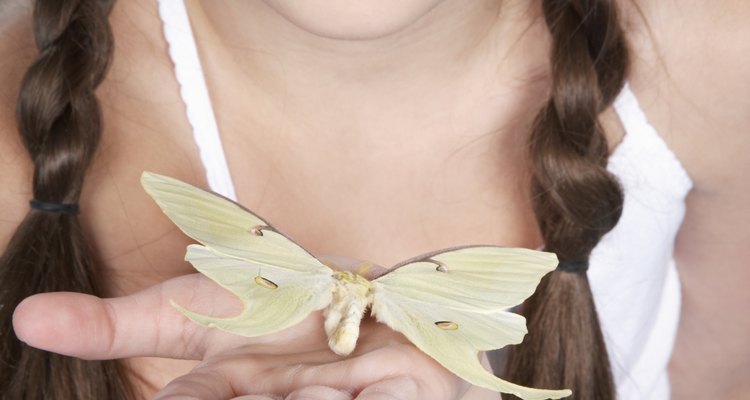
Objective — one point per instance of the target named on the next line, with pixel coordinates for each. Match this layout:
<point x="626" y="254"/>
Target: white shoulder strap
<point x="643" y="143"/>
<point x="194" y="92"/>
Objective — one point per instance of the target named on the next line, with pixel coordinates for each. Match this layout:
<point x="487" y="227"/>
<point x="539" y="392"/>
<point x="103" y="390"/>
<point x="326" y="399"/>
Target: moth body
<point x="352" y="294"/>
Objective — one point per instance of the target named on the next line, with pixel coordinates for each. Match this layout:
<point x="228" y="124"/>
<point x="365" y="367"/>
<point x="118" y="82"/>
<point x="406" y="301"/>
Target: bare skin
<point x="346" y="145"/>
<point x="691" y="86"/>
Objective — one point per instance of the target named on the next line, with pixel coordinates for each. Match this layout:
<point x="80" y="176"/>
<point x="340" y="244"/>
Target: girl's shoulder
<point x="16" y="53"/>
<point x="143" y="123"/>
<point x="689" y="70"/>
<point x="690" y="73"/>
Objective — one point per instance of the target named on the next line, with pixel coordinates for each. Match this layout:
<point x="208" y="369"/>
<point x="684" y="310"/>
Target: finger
<point x="242" y="374"/>
<point x="235" y="375"/>
<point x="201" y="383"/>
<point x="258" y="397"/>
<point x="350" y="374"/>
<point x="319" y="393"/>
<point x="396" y="388"/>
<point x="142" y="324"/>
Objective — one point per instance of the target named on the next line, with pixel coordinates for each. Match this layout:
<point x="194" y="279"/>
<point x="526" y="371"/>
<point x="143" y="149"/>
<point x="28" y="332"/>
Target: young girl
<point x="376" y="130"/>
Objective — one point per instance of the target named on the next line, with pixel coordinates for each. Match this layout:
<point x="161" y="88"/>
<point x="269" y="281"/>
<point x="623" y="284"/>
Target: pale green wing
<point x="273" y="298"/>
<point x="278" y="282"/>
<point x="452" y="305"/>
<point x="226" y="227"/>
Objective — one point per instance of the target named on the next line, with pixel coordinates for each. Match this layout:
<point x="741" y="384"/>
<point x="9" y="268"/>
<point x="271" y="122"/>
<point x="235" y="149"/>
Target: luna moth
<point x="451" y="304"/>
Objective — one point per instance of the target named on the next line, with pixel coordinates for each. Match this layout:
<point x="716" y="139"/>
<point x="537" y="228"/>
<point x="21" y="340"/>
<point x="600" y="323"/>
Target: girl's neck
<point x="379" y="67"/>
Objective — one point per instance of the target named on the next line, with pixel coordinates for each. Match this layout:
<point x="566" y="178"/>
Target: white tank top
<point x="632" y="273"/>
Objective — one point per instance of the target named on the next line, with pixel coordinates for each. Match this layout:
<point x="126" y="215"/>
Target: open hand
<point x="295" y="363"/>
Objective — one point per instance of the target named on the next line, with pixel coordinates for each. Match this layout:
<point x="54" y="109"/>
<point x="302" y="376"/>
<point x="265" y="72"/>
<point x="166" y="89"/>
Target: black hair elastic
<point x="60" y="208"/>
<point x="573" y="266"/>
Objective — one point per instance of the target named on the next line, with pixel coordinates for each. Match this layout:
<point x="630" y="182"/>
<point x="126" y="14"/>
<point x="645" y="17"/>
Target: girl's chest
<point x="344" y="201"/>
<point x="350" y="187"/>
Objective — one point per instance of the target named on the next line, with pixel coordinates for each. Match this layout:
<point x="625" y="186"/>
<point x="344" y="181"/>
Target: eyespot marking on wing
<point x="266" y="283"/>
<point x="447" y="325"/>
<point x="441" y="267"/>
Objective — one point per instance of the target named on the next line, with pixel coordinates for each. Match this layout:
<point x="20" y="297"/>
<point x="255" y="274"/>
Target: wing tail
<point x="452" y="304"/>
<point x="474" y="373"/>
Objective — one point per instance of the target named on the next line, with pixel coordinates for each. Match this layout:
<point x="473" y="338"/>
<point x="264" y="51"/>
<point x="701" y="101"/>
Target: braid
<point x="576" y="200"/>
<point x="60" y="124"/>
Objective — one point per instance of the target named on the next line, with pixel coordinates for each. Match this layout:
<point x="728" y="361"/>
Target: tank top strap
<point x="632" y="272"/>
<point x="194" y="91"/>
<point x="643" y="146"/>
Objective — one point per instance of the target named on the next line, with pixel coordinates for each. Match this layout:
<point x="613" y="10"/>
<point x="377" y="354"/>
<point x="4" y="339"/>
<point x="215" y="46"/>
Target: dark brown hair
<point x="60" y="124"/>
<point x="576" y="200"/>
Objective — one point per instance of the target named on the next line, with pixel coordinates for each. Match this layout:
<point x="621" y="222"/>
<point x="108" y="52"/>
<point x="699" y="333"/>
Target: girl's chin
<point x="352" y="19"/>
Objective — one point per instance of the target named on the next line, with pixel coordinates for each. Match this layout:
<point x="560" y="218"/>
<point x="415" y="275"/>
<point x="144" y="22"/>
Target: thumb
<point x="141" y="324"/>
